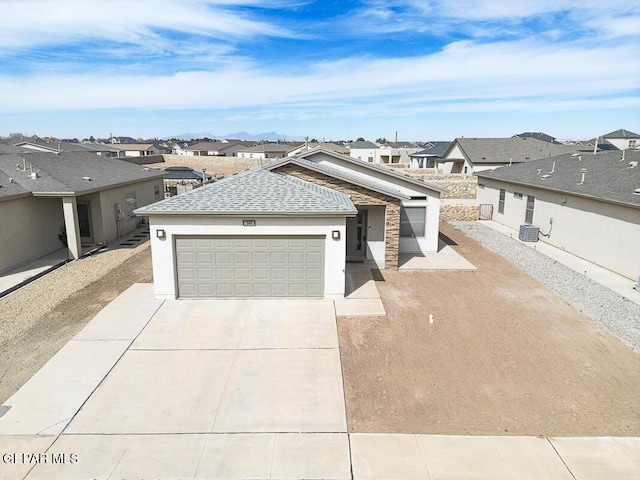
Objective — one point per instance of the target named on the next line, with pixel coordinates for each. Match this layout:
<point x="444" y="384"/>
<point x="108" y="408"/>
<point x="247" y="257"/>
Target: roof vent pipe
<point x="553" y="169"/>
<point x="583" y="175"/>
<point x="595" y="146"/>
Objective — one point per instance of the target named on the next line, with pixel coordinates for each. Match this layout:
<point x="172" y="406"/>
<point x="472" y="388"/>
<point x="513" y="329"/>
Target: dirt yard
<point x="32" y="335"/>
<point x="226" y="166"/>
<point x="505" y="355"/>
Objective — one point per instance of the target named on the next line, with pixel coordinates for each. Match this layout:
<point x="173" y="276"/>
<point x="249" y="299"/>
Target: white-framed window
<point x="517" y="195"/>
<point x="501" y="200"/>
<point x="412" y="221"/>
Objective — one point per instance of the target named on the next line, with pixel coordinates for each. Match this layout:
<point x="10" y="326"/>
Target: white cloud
<point x="28" y="23"/>
<point x="464" y="71"/>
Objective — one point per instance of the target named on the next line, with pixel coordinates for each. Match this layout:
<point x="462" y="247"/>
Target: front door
<point x="84" y="222"/>
<point x="357" y="235"/>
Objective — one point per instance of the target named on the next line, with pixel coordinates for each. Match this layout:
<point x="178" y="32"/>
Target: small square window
<point x="517" y="195"/>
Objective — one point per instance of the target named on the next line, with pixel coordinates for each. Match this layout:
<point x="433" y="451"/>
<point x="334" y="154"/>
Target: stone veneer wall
<point x="188" y="160"/>
<point x="360" y="196"/>
<point x="465" y="212"/>
<point x="457" y="185"/>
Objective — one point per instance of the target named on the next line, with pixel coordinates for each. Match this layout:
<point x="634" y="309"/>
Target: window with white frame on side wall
<point x="412" y="221"/>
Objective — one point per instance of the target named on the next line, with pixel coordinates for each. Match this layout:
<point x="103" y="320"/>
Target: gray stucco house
<point x="80" y="198"/>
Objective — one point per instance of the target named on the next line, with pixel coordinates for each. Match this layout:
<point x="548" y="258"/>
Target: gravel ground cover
<point x="40" y="318"/>
<point x="619" y="315"/>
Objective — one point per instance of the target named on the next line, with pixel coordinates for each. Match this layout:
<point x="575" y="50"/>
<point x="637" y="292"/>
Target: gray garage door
<point x="256" y="266"/>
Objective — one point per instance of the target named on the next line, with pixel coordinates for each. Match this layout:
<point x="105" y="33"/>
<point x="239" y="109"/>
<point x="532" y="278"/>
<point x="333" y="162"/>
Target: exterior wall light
<point x="160" y="233"/>
<point x="335" y="234"/>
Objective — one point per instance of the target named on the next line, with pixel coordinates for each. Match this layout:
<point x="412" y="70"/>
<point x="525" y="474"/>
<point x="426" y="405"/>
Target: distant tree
<point x="91" y="139"/>
<point x="313" y="140"/>
<point x="382" y="140"/>
<point x="360" y="139"/>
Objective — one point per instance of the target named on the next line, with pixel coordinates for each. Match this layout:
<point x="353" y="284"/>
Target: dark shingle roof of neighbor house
<point x="69" y="173"/>
<point x="505" y="150"/>
<point x="256" y="192"/>
<point x="622" y="133"/>
<point x="607" y="177"/>
<point x="267" y="147"/>
<point x="436" y="149"/>
<point x="537" y="135"/>
<point x="7" y="149"/>
<point x="183" y="173"/>
<point x="362" y="145"/>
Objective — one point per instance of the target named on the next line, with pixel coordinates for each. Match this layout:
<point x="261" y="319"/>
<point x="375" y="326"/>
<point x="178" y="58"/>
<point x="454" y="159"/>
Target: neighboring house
<point x="298" y="149"/>
<point x="88" y="198"/>
<point x="537" y="135"/>
<point x="287" y="228"/>
<point x="57" y="147"/>
<point x="622" y="139"/>
<point x="138" y="149"/>
<point x="586" y="204"/>
<point x="6" y="149"/>
<point x="182" y="179"/>
<point x="363" y="150"/>
<point x="471" y="155"/>
<point x="264" y="151"/>
<point x="224" y="148"/>
<point x="429" y="156"/>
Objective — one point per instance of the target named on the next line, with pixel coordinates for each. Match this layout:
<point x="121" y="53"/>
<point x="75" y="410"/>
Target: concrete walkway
<point x="19" y="274"/>
<point x="619" y="284"/>
<point x="241" y="389"/>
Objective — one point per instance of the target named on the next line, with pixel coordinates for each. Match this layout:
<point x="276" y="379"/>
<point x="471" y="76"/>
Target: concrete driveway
<point x="241" y="389"/>
<point x="175" y="389"/>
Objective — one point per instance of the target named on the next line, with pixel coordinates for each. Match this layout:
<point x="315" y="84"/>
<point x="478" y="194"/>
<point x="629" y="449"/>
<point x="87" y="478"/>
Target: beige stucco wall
<point x="103" y="215"/>
<point x="29" y="229"/>
<point x="163" y="251"/>
<point x="603" y="233"/>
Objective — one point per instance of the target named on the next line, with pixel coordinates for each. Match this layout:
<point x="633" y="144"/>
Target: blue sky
<point x="430" y="70"/>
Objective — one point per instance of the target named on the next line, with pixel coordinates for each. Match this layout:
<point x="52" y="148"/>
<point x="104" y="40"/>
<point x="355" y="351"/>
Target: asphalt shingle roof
<point x="622" y="133"/>
<point x="607" y="177"/>
<point x="436" y="149"/>
<point x="256" y="192"/>
<point x="334" y="172"/>
<point x="65" y="172"/>
<point x="515" y="150"/>
<point x="372" y="166"/>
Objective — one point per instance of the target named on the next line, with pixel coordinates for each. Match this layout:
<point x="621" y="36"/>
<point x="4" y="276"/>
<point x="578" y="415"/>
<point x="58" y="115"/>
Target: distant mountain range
<point x="269" y="136"/>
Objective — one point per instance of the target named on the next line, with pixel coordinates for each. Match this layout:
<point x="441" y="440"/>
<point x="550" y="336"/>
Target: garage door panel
<point x="242" y="243"/>
<point x="258" y="266"/>
<point x="315" y="273"/>
<point x="223" y="258"/>
<point x="315" y="258"/>
<point x="205" y="274"/>
<point x="242" y="274"/>
<point x="223" y="243"/>
<point x="279" y="289"/>
<point x="224" y="290"/>
<point x="261" y="290"/>
<point x="296" y="258"/>
<point x="204" y="257"/>
<point x="278" y="258"/>
<point x="223" y="273"/>
<point x="297" y="244"/>
<point x="187" y="273"/>
<point x="242" y="258"/>
<point x="260" y="273"/>
<point x="186" y="258"/>
<point x="260" y="258"/>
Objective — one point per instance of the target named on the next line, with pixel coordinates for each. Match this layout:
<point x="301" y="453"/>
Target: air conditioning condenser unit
<point x="528" y="233"/>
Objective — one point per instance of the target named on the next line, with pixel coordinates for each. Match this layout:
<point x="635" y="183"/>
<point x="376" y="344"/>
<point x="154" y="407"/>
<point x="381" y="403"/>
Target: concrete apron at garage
<point x="241" y="389"/>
